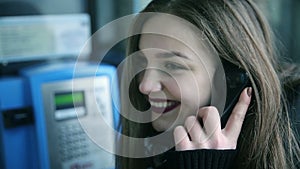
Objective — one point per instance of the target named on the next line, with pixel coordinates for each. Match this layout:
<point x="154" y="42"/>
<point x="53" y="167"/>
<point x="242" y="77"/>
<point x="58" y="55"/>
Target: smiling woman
<point x="171" y="65"/>
<point x="185" y="53"/>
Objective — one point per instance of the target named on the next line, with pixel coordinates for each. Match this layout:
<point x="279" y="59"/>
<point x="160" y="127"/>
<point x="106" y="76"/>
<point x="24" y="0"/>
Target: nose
<point x="151" y="82"/>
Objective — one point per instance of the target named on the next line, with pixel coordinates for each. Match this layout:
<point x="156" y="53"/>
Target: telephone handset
<point x="236" y="80"/>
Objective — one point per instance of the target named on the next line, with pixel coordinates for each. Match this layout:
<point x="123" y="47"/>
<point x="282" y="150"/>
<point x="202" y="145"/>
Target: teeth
<point x="161" y="104"/>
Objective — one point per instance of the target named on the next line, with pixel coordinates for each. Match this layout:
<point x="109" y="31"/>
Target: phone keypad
<point x="73" y="142"/>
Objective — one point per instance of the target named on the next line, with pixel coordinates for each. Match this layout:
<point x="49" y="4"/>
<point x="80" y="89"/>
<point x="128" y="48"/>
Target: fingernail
<point x="249" y="91"/>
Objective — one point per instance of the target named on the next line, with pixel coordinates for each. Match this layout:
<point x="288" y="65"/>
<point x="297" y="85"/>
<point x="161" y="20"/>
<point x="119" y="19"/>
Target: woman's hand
<point x="193" y="136"/>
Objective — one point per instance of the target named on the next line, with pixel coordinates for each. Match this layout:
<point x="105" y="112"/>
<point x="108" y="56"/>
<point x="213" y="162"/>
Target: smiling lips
<point x="163" y="106"/>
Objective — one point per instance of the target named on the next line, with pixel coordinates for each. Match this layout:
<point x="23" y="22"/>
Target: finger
<point x="193" y="128"/>
<point x="236" y="119"/>
<point x="211" y="120"/>
<point x="181" y="138"/>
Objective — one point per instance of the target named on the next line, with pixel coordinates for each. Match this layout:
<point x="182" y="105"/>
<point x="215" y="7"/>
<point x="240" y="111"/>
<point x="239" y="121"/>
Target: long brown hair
<point x="241" y="35"/>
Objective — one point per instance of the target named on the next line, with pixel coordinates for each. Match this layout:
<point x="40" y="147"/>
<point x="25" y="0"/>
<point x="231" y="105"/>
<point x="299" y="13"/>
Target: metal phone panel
<point x="69" y="144"/>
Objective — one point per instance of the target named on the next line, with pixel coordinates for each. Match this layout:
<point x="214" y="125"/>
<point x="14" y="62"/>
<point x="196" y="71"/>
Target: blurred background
<point x="39" y="42"/>
<point x="100" y="13"/>
<point x="282" y="14"/>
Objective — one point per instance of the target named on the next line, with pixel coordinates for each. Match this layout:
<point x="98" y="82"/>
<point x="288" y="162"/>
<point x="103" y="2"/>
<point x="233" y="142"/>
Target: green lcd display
<point x="68" y="100"/>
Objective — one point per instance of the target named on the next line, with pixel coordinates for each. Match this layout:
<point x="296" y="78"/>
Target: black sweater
<point x="189" y="159"/>
<point x="199" y="159"/>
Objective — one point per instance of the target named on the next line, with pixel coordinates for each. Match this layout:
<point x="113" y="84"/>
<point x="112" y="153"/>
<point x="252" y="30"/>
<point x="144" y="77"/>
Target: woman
<point x="176" y="86"/>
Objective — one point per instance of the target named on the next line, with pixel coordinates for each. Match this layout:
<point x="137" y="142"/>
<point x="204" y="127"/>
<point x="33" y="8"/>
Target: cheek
<point x="191" y="91"/>
<point x="196" y="97"/>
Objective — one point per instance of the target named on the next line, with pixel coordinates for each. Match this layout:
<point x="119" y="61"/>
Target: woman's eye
<point x="174" y="66"/>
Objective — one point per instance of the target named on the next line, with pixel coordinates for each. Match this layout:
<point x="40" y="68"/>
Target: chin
<point x="161" y="126"/>
<point x="163" y="122"/>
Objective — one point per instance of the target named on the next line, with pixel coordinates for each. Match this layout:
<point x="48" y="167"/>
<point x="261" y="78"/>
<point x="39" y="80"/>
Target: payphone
<point x="72" y="105"/>
<point x="66" y="102"/>
<point x="54" y="111"/>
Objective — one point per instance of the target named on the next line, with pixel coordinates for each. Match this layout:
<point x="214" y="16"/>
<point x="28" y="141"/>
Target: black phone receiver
<point x="236" y="80"/>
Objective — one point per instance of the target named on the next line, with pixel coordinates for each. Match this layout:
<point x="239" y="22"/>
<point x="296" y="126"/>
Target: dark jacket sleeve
<point x="199" y="159"/>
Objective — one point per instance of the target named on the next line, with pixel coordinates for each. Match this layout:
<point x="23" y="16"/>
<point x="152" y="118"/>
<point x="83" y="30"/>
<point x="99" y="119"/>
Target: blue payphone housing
<point x="18" y="138"/>
<point x="34" y="109"/>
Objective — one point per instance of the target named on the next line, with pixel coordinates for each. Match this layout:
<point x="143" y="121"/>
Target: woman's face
<point x="179" y="71"/>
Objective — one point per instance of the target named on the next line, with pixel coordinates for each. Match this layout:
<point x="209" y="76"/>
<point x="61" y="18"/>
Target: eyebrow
<point x="171" y="54"/>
